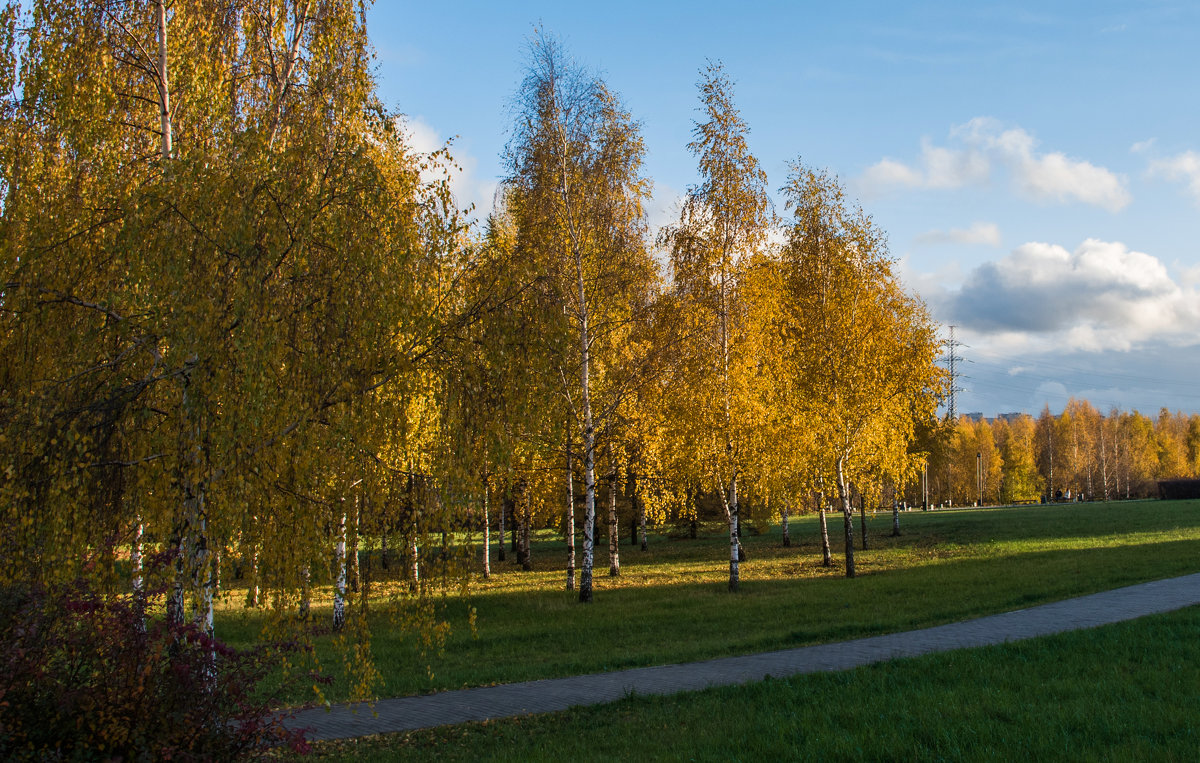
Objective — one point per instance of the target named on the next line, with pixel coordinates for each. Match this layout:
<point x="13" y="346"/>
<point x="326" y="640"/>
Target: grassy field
<point x="670" y="604"/>
<point x="1122" y="692"/>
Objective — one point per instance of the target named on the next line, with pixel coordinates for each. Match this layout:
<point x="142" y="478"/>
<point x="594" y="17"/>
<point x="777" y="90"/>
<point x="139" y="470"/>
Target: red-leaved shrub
<point x="88" y="676"/>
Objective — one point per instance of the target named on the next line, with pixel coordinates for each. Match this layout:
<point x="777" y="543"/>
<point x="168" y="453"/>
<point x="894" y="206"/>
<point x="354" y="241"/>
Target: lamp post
<point x="925" y="487"/>
<point x="979" y="475"/>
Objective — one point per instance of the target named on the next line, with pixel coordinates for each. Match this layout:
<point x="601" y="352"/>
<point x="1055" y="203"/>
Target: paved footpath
<point x="508" y="700"/>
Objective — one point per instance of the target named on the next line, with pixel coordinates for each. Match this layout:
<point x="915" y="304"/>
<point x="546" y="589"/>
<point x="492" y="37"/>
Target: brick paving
<point x="508" y="700"/>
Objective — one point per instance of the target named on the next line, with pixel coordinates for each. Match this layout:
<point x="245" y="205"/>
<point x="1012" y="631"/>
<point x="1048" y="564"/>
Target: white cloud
<point x="1102" y="296"/>
<point x="1142" y="146"/>
<point x="888" y="173"/>
<point x="421" y="136"/>
<point x="662" y="208"/>
<point x="1051" y="176"/>
<point x="933" y="287"/>
<point x="467" y="188"/>
<point x="937" y="168"/>
<point x="1183" y="167"/>
<point x="949" y="168"/>
<point x="1189" y="275"/>
<point x="1057" y="177"/>
<point x="980" y="144"/>
<point x="979" y="233"/>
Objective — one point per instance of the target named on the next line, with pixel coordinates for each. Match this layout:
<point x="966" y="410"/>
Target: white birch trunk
<point x="355" y="570"/>
<point x="197" y="563"/>
<point x="570" y="519"/>
<point x="1050" y="459"/>
<point x="283" y="81"/>
<point x="252" y="590"/>
<point x="827" y="556"/>
<point x="514" y="529"/>
<point x="526" y="529"/>
<point x="589" y="516"/>
<point x="208" y="565"/>
<point x="614" y="531"/>
<point x="135" y="558"/>
<point x="735" y="550"/>
<point x="414" y="552"/>
<point x="135" y="564"/>
<point x="589" y="440"/>
<point x="339" y="586"/>
<point x="847" y="516"/>
<point x="193" y="563"/>
<point x="734" y="544"/>
<point x="585" y="366"/>
<point x="163" y="82"/>
<point x="487" y="535"/>
<point x="1103" y="461"/>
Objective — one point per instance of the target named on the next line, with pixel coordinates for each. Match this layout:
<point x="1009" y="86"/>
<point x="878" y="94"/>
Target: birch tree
<point x="577" y="195"/>
<point x="1019" y="478"/>
<point x="724" y="219"/>
<point x="1170" y="431"/>
<point x="214" y="242"/>
<point x="863" y="350"/>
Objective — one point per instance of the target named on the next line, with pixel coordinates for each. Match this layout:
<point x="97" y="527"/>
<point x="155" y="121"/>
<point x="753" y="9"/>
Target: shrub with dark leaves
<point x="86" y="676"/>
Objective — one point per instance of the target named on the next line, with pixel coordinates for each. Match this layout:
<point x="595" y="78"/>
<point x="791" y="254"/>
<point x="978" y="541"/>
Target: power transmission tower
<point x="952" y="359"/>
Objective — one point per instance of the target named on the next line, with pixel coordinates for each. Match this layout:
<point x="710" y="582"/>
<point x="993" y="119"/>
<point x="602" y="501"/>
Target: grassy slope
<point x="670" y="604"/>
<point x="1122" y="692"/>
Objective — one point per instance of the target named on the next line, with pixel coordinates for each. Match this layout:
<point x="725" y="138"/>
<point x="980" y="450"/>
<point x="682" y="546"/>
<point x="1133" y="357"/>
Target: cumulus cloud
<point x="979" y="145"/>
<point x="1102" y="296"/>
<point x="937" y="167"/>
<point x="1183" y="167"/>
<point x="931" y="286"/>
<point x="663" y="207"/>
<point x="1189" y="275"/>
<point x="1054" y="176"/>
<point x="1142" y="146"/>
<point x="889" y="173"/>
<point x="466" y="186"/>
<point x="979" y="233"/>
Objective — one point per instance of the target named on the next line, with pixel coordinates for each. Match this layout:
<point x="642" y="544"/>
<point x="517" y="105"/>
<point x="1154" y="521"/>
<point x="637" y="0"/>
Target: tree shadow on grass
<point x="543" y="634"/>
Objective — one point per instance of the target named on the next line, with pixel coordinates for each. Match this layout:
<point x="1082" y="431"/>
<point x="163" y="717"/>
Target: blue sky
<point x="1036" y="166"/>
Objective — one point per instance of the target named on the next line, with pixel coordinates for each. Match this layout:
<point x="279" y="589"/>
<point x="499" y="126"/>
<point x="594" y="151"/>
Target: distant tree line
<point x="1080" y="454"/>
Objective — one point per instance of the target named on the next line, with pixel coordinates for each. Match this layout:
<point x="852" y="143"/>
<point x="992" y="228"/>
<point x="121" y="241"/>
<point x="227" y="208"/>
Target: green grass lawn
<point x="670" y="604"/>
<point x="1129" y="691"/>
